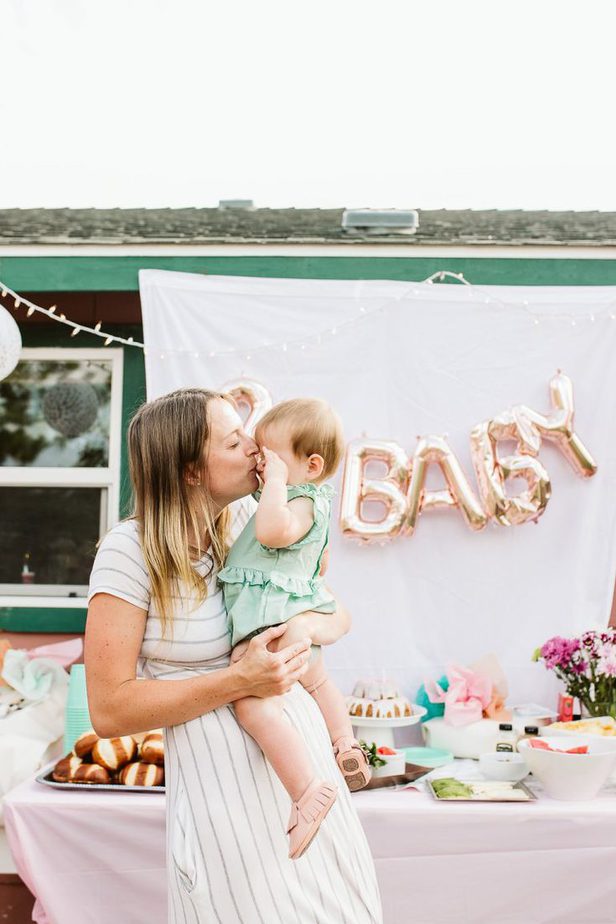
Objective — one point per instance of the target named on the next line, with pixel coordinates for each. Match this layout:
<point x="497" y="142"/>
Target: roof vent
<point x="246" y="204"/>
<point x="380" y="221"/>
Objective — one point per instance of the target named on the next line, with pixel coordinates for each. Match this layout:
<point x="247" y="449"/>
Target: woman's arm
<point x="122" y="705"/>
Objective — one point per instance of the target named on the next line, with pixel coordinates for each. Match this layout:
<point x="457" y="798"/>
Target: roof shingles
<point x="270" y="226"/>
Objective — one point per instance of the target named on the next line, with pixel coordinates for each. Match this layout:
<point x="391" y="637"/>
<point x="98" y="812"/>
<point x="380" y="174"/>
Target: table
<point x="93" y="857"/>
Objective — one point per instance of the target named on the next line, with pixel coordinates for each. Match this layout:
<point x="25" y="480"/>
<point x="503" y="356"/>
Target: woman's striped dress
<point x="226" y="810"/>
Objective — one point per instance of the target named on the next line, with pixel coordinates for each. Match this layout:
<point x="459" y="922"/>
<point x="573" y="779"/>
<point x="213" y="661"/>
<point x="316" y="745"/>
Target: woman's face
<point x="231" y="455"/>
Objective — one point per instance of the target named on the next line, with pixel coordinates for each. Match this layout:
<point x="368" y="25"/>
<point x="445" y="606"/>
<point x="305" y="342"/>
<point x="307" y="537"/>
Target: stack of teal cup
<point x="77" y="717"/>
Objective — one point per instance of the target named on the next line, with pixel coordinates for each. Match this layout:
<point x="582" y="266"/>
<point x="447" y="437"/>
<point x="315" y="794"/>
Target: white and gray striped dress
<point x="226" y="809"/>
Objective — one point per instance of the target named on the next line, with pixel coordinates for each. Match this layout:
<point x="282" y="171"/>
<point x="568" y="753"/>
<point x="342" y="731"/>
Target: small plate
<point x="488" y="784"/>
<point x="428" y="757"/>
<point x="46" y="779"/>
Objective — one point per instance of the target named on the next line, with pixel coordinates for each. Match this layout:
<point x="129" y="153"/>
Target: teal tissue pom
<point x="433" y="709"/>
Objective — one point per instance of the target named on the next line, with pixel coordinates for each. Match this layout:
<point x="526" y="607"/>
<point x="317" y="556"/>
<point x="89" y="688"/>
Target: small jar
<point x="530" y="731"/>
<point x="506" y="738"/>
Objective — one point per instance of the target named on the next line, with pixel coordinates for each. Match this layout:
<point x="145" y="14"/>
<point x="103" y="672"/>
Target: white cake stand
<point x="381" y="731"/>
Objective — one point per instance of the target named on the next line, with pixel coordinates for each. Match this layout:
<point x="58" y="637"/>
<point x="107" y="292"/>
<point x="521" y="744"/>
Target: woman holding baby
<point x="259" y="753"/>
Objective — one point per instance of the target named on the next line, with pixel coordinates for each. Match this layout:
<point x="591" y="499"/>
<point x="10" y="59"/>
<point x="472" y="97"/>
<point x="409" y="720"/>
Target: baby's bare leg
<point x="284" y="747"/>
<point x="328" y="698"/>
<point x="315" y="680"/>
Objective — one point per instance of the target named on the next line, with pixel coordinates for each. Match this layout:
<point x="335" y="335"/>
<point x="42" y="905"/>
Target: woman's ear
<point x="191" y="475"/>
<point x="316" y="464"/>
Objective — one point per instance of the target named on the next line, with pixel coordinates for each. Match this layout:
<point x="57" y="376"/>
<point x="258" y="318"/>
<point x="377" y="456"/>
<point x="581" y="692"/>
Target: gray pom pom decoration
<point x="70" y="408"/>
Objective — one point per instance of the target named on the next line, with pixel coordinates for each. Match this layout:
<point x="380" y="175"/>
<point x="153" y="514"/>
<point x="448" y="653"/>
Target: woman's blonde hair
<point x="312" y="426"/>
<point x="167" y="438"/>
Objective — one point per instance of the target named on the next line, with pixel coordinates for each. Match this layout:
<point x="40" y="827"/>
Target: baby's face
<point x="273" y="438"/>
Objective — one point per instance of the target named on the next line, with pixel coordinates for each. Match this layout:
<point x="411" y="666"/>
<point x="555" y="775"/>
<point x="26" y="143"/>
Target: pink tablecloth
<point x="94" y="857"/>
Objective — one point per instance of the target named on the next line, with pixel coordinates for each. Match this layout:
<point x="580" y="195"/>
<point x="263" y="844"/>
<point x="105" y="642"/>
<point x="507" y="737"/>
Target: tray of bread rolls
<point x="130" y="763"/>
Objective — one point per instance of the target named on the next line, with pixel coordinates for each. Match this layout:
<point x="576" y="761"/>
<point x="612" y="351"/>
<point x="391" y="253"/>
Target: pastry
<point x="113" y="753"/>
<point x="64" y="769"/>
<point x="142" y="774"/>
<point x="90" y="773"/>
<point x="84" y="744"/>
<point x="152" y="750"/>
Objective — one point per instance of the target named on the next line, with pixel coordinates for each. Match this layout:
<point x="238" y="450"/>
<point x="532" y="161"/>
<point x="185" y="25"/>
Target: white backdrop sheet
<point x="408" y="360"/>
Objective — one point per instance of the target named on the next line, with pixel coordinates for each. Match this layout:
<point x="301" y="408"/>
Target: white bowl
<point x="570" y="776"/>
<point x="497" y="765"/>
<point x="393" y="766"/>
<point x="610" y="740"/>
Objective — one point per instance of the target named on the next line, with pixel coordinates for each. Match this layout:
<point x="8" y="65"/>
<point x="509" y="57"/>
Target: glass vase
<point x="592" y="709"/>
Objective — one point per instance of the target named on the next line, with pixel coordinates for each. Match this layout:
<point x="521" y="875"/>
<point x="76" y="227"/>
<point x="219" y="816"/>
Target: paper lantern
<point x="70" y="408"/>
<point x="10" y="343"/>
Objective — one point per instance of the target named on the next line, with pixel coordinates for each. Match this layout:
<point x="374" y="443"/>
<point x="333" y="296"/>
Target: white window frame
<point x="106" y="478"/>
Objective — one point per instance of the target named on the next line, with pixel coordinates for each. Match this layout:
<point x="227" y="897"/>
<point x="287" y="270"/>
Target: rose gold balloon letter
<point x="388" y="490"/>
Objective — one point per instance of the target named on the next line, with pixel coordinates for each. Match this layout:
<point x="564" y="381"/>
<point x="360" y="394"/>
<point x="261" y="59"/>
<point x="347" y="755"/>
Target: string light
<point x="61" y="318"/>
<point x="363" y="313"/>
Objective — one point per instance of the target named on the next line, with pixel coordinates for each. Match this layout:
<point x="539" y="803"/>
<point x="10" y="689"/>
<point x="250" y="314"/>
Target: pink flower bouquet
<point x="587" y="667"/>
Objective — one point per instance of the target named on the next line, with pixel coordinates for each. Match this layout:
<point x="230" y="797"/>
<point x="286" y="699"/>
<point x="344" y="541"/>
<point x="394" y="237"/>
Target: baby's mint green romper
<point x="264" y="586"/>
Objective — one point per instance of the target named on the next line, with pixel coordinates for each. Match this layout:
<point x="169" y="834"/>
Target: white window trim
<point x="75" y="477"/>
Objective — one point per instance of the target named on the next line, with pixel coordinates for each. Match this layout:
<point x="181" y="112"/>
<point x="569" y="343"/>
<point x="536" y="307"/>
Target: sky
<point x="416" y="104"/>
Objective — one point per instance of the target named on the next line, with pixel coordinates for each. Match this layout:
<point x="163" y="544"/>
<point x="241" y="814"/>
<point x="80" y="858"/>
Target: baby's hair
<point x="313" y="427"/>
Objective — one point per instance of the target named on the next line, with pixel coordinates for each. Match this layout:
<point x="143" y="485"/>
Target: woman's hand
<point x="270" y="673"/>
<point x="272" y="468"/>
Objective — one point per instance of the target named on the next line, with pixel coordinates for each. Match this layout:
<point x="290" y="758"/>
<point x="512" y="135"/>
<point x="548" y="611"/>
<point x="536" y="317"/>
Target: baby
<point x="272" y="574"/>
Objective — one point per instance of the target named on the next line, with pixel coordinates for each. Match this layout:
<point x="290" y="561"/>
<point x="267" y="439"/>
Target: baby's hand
<point x="273" y="468"/>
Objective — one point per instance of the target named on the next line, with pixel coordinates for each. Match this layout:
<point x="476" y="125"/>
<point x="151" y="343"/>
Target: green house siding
<point x="47" y="274"/>
<point x="108" y="274"/>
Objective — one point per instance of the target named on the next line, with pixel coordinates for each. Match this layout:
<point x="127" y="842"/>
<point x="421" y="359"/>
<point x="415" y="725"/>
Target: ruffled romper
<point x="264" y="586"/>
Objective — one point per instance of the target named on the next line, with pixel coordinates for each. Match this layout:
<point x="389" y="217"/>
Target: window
<point x="60" y="429"/>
